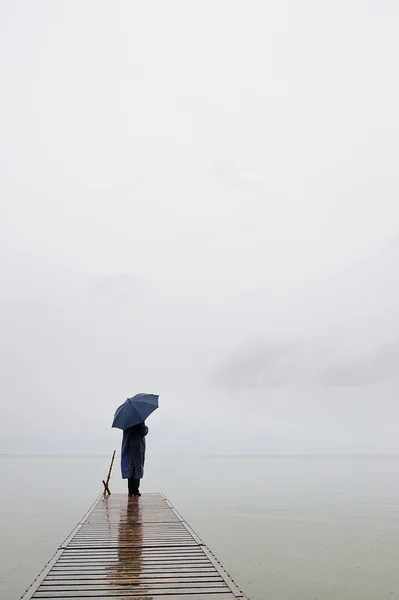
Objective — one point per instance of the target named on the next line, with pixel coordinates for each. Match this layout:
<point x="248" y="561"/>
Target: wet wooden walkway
<point x="133" y="549"/>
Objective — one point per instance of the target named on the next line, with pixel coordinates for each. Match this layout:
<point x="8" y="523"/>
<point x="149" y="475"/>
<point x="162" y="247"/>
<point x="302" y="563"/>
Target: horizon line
<point x="206" y="455"/>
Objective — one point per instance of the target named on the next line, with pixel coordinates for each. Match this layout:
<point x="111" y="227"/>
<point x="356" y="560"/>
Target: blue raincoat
<point x="133" y="451"/>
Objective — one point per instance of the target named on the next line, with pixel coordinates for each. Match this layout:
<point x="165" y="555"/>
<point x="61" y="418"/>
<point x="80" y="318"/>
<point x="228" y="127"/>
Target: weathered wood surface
<point x="133" y="549"/>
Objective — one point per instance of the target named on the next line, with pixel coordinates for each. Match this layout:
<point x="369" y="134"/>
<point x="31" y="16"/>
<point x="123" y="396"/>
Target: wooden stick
<point x="110" y="467"/>
<point x="106" y="486"/>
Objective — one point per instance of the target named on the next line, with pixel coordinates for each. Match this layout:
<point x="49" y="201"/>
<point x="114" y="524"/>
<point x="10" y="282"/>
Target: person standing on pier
<point x="130" y="417"/>
<point x="133" y="456"/>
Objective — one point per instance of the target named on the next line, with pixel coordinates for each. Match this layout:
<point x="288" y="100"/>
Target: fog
<point x="200" y="200"/>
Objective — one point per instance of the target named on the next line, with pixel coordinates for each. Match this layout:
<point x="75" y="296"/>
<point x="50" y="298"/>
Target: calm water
<point x="285" y="528"/>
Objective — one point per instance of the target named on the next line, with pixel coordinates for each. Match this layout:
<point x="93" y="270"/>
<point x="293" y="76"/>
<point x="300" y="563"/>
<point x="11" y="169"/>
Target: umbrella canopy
<point x="135" y="410"/>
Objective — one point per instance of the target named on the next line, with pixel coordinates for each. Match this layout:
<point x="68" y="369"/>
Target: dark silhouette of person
<point x="133" y="456"/>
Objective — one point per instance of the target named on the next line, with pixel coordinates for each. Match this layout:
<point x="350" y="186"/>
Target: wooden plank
<point x="162" y="568"/>
<point x="135" y="566"/>
<point x="133" y="549"/>
<point x="129" y="551"/>
<point x="152" y="577"/>
<point x="128" y="558"/>
<point x="179" y="596"/>
<point x="130" y="586"/>
<point x="174" y="559"/>
<point x="103" y="572"/>
<point x="122" y="579"/>
<point x="104" y="561"/>
<point x="143" y="560"/>
<point x="131" y="593"/>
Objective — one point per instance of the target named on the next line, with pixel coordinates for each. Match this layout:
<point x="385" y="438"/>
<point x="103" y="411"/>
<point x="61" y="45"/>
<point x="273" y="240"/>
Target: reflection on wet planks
<point x="133" y="549"/>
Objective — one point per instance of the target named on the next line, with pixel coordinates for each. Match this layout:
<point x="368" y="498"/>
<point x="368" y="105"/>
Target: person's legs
<point x="131" y="486"/>
<point x="136" y="487"/>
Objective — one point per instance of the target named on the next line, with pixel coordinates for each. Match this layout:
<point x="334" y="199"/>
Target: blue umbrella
<point x="135" y="410"/>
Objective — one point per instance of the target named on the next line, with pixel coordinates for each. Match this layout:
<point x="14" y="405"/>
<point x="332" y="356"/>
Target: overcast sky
<point x="200" y="200"/>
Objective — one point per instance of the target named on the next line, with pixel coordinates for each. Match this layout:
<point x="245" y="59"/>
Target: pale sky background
<point x="200" y="200"/>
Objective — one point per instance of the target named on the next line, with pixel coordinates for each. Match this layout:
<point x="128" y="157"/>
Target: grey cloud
<point x="258" y="365"/>
<point x="371" y="367"/>
<point x="288" y="363"/>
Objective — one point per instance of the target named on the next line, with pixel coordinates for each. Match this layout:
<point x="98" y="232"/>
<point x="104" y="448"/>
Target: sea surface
<point x="286" y="528"/>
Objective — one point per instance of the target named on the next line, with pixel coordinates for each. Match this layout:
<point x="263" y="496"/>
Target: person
<point x="133" y="456"/>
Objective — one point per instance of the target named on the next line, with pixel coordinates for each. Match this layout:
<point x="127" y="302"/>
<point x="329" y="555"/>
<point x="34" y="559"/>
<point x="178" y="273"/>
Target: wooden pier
<point x="133" y="549"/>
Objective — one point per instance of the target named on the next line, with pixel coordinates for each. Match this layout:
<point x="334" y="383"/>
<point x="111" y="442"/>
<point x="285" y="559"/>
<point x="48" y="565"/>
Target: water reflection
<point x="127" y="571"/>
